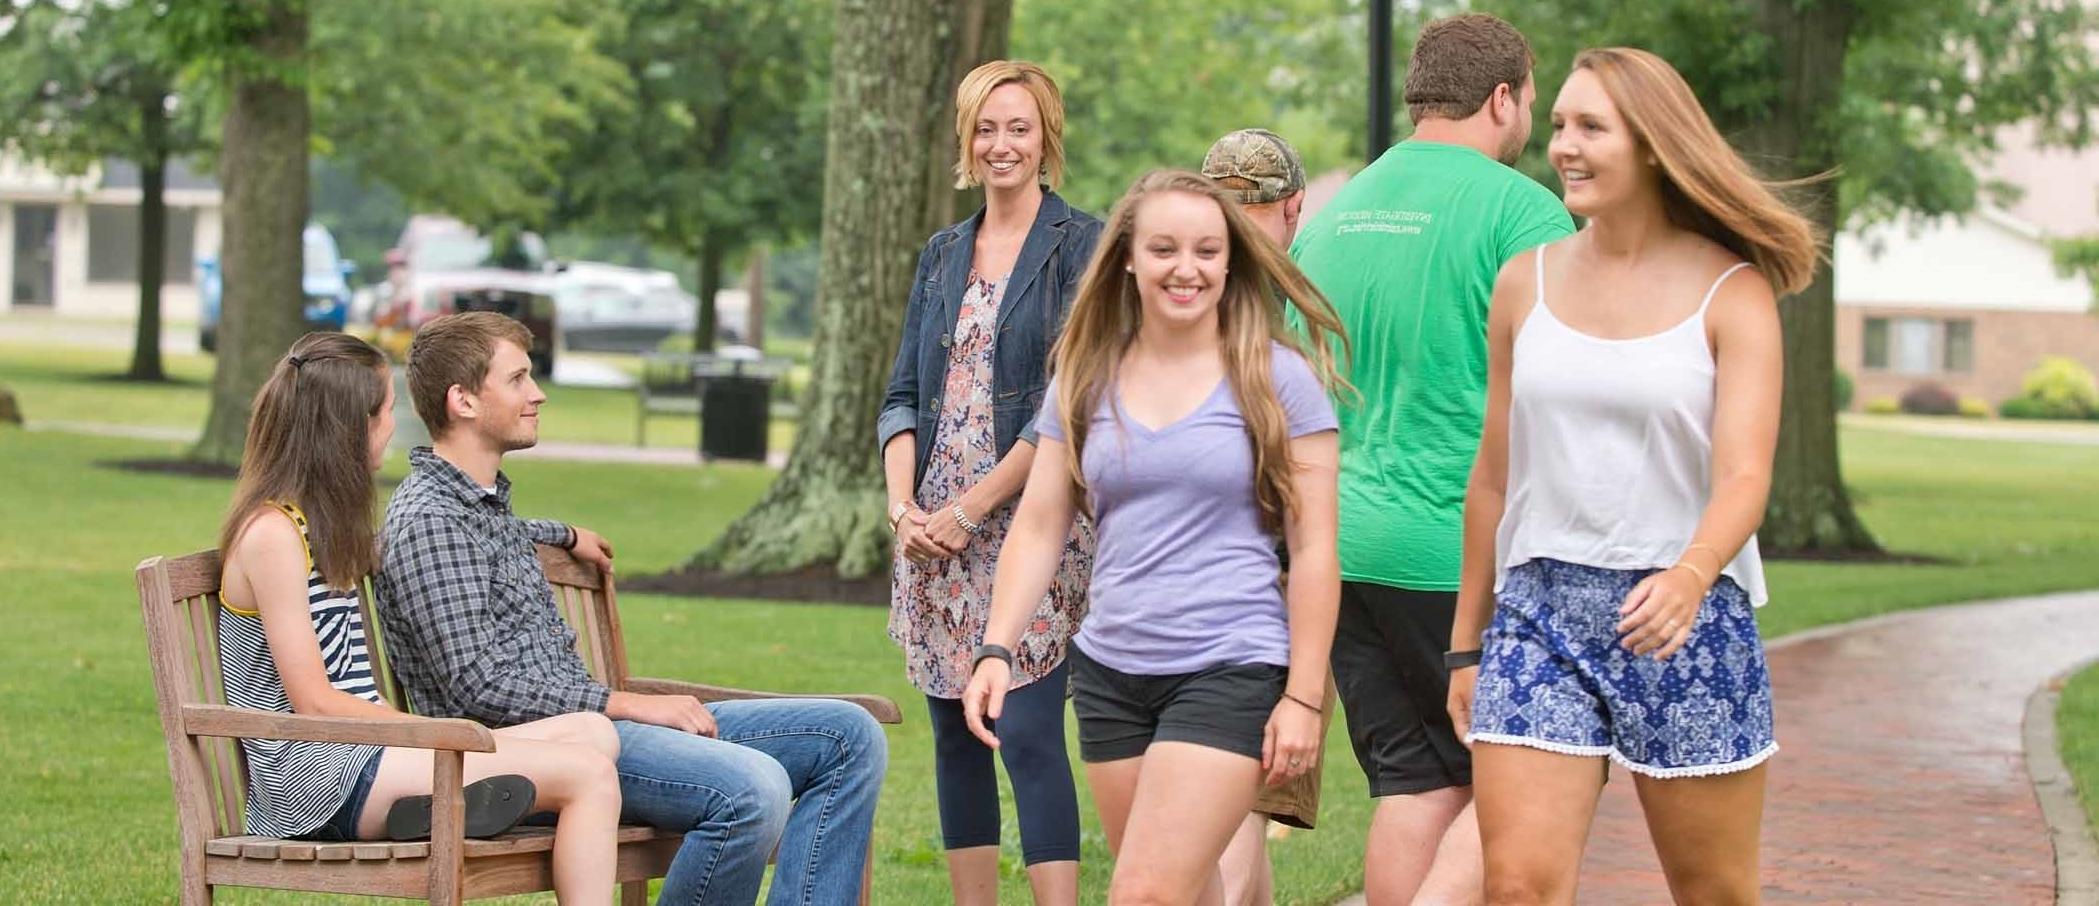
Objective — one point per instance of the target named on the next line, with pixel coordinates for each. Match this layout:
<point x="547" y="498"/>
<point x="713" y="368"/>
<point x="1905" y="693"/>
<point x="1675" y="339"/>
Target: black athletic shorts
<point x="1120" y="714"/>
<point x="1388" y="667"/>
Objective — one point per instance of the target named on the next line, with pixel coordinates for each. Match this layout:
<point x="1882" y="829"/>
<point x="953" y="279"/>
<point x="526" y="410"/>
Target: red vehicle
<point x="441" y="266"/>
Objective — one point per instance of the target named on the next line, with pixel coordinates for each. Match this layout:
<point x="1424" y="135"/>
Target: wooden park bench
<point x="180" y="599"/>
<point x="667" y="386"/>
<point x="674" y="383"/>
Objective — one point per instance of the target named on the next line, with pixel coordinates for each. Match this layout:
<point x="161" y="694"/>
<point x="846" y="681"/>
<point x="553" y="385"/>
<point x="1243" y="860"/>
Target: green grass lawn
<point x="2077" y="731"/>
<point x="72" y="384"/>
<point x="88" y="816"/>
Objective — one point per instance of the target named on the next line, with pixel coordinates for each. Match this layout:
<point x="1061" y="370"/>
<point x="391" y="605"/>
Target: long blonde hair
<point x="1262" y="280"/>
<point x="1706" y="187"/>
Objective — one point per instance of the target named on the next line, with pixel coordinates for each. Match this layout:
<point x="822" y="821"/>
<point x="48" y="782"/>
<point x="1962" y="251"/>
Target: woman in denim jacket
<point x="957" y="441"/>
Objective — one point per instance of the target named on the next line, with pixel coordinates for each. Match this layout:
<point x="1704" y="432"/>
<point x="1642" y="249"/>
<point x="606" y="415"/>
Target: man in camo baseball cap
<point x="1260" y="169"/>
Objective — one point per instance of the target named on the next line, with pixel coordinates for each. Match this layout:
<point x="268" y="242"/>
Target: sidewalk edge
<point x="2076" y="854"/>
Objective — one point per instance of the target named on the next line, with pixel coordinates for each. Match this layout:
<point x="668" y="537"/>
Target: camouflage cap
<point x="1260" y="157"/>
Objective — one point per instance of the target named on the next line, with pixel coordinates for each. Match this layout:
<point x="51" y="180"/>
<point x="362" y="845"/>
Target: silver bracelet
<point x="971" y="527"/>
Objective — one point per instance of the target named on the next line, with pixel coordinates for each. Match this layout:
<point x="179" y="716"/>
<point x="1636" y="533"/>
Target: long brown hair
<point x="1706" y="187"/>
<point x="1261" y="281"/>
<point x="308" y="444"/>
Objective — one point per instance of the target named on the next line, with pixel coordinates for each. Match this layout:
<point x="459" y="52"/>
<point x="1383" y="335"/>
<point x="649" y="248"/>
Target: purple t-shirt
<point x="1184" y="578"/>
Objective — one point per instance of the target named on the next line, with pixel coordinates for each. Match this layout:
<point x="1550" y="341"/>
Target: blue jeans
<point x="799" y="774"/>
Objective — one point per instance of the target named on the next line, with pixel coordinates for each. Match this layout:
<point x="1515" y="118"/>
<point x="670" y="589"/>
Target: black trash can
<point x="735" y="410"/>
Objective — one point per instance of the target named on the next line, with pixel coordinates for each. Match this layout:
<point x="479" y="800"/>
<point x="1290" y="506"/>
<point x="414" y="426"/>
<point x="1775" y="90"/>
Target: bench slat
<point x="531" y="839"/>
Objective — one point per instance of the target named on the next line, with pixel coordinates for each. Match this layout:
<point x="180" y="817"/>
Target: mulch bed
<point x="185" y="468"/>
<point x="823" y="585"/>
<point x="811" y="584"/>
<point x="1892" y="558"/>
<point x="180" y="467"/>
<point x="122" y="378"/>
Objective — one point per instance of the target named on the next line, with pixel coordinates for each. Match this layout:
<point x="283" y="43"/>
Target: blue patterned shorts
<point x="1554" y="677"/>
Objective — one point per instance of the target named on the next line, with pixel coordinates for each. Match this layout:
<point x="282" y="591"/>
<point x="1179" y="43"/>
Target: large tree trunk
<point x="709" y="283"/>
<point x="982" y="30"/>
<point x="754" y="290"/>
<point x="152" y="252"/>
<point x="1809" y="508"/>
<point x="263" y="171"/>
<point x="892" y="81"/>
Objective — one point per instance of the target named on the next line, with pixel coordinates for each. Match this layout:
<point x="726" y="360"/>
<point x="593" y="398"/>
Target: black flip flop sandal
<point x="493" y="805"/>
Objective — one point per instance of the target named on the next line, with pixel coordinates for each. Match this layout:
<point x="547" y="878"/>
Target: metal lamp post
<point x="1380" y="79"/>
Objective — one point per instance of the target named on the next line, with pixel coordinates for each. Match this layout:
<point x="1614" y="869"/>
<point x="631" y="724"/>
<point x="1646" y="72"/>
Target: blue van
<point x="325" y="279"/>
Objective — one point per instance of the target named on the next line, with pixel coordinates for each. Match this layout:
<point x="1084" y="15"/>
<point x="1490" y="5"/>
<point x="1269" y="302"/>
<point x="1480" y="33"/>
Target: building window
<point x="1960" y="346"/>
<point x="1876" y="344"/>
<point x="1919" y="346"/>
<point x="112" y="244"/>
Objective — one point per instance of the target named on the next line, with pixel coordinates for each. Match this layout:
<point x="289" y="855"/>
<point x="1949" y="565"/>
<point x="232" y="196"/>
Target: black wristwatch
<point x="1459" y="660"/>
<point x="998" y="651"/>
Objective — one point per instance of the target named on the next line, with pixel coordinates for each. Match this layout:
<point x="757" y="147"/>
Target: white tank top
<point x="1611" y="446"/>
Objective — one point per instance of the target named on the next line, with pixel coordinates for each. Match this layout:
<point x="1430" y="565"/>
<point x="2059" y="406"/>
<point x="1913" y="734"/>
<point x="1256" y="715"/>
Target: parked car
<point x="442" y="266"/>
<point x="324" y="279"/>
<point x="620" y="309"/>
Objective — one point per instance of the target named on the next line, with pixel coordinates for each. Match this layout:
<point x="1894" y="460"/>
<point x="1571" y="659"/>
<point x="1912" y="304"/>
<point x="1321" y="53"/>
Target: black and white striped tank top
<point x="295" y="786"/>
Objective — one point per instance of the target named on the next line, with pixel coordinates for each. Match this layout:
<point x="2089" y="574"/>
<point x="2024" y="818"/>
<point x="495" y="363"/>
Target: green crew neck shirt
<point x="1407" y="252"/>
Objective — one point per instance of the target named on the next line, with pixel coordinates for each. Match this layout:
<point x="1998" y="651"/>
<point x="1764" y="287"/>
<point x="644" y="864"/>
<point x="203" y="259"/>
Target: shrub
<point x="1844" y="390"/>
<point x="1930" y="399"/>
<point x="2028" y="407"/>
<point x="2060" y="385"/>
<point x="1974" y="408"/>
<point x="1883" y="405"/>
<point x="676" y="344"/>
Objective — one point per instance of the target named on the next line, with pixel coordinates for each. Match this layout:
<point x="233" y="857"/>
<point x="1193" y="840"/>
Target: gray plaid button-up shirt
<point x="471" y="628"/>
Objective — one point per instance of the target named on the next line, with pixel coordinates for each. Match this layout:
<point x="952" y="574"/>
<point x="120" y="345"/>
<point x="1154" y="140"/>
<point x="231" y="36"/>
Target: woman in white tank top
<point x="1611" y="566"/>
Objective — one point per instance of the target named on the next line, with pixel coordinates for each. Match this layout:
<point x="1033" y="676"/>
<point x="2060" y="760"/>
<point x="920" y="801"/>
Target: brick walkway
<point x="1901" y="776"/>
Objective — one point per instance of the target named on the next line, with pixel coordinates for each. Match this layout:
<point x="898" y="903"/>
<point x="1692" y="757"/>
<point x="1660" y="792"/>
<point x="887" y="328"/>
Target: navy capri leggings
<point x="1031" y="739"/>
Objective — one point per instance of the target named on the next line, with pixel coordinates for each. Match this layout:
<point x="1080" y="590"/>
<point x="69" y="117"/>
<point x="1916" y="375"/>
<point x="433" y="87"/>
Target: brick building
<point x="1970" y="304"/>
<point x="1973" y="304"/>
<point x="69" y="245"/>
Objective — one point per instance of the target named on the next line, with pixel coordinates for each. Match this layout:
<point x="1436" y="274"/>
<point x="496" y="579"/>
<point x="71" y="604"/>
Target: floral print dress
<point x="937" y="612"/>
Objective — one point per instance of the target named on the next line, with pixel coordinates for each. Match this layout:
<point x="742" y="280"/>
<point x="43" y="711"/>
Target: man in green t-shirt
<point x="1408" y="252"/>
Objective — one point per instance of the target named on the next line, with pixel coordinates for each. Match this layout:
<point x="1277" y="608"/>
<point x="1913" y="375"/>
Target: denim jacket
<point x="1045" y="277"/>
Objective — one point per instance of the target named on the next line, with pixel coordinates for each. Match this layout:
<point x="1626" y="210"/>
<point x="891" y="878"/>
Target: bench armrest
<point x="880" y="706"/>
<point x="449" y="734"/>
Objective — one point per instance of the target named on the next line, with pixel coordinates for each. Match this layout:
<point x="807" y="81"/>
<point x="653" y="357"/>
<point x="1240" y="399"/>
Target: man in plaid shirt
<point x="472" y="632"/>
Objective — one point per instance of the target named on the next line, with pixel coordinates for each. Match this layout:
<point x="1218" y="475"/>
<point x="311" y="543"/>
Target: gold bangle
<point x="1703" y="579"/>
<point x="1718" y="561"/>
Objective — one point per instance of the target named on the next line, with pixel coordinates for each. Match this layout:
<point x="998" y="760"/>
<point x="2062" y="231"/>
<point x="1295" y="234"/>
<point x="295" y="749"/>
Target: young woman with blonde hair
<point x="298" y="544"/>
<point x="1632" y="412"/>
<point x="957" y="442"/>
<point x="1193" y="425"/>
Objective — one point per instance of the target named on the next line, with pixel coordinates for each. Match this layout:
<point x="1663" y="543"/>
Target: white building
<point x="72" y="243"/>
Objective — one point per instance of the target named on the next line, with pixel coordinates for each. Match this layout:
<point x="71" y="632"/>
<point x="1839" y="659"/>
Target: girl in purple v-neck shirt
<point x="1195" y="428"/>
<point x="1185" y="576"/>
